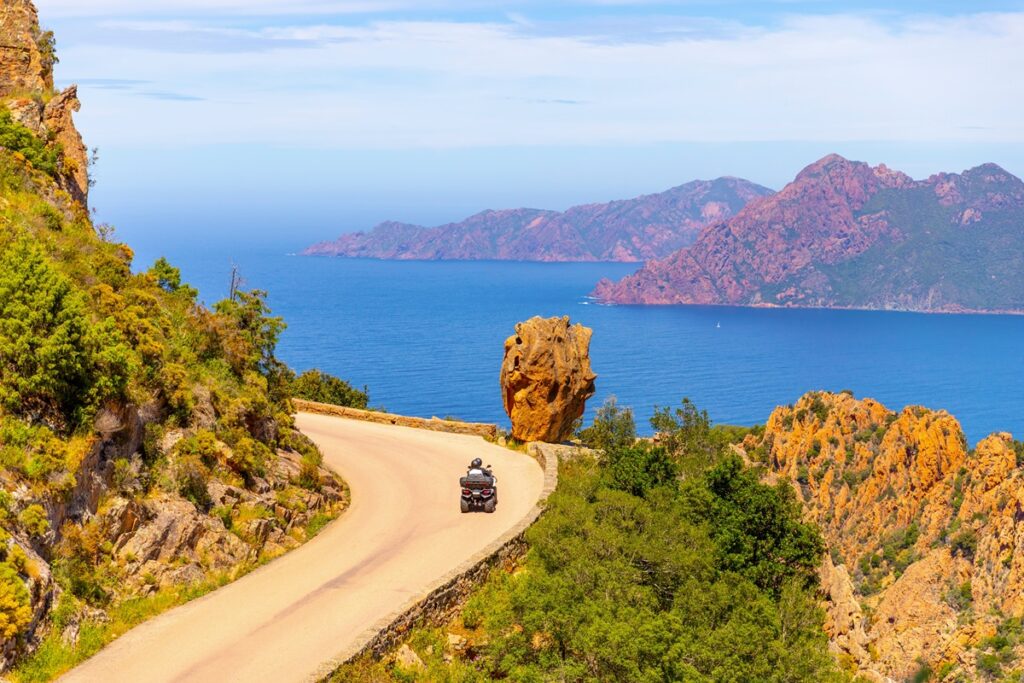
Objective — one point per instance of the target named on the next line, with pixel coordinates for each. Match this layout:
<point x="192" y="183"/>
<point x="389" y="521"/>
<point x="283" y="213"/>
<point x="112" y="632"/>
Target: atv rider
<point x="477" y="467"/>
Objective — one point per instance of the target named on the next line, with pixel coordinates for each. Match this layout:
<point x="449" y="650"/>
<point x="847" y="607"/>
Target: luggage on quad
<point x="479" y="492"/>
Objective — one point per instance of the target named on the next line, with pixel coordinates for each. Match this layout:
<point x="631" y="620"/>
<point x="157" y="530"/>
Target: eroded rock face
<point x="26" y="89"/>
<point x="927" y="535"/>
<point x="546" y="378"/>
<point x="22" y="68"/>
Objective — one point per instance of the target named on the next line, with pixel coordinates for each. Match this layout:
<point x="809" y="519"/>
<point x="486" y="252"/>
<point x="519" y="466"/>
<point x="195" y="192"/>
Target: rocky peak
<point x="26" y="90"/>
<point x="26" y="66"/>
<point x="926" y="536"/>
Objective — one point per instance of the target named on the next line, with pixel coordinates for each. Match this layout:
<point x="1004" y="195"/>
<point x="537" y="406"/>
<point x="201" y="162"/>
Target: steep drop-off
<point x="637" y="229"/>
<point x="844" y="234"/>
<point x="926" y="536"/>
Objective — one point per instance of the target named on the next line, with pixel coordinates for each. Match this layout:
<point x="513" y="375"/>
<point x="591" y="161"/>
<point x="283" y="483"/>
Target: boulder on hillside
<point x="546" y="378"/>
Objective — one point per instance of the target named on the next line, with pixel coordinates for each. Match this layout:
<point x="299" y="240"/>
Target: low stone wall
<point x="434" y="424"/>
<point x="441" y="603"/>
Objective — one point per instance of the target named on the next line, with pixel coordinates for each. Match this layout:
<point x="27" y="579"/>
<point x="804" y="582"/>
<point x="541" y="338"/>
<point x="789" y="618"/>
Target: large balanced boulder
<point x="546" y="378"/>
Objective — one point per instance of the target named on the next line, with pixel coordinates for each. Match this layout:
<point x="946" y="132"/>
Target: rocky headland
<point x="637" y="229"/>
<point x="844" y="234"/>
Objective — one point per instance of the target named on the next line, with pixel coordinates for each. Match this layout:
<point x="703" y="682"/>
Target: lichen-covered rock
<point x="546" y="378"/>
<point x="927" y="535"/>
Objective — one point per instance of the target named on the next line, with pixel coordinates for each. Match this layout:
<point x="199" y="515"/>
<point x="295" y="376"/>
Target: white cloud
<point x="451" y="84"/>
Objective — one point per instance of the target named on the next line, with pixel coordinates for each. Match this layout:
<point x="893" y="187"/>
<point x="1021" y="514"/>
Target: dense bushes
<point x="56" y="364"/>
<point x="314" y="385"/>
<point x="17" y="138"/>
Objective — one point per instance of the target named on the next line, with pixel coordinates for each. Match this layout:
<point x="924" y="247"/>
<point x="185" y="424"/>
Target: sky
<point x="271" y="122"/>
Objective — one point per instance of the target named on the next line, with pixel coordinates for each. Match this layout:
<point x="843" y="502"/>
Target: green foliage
<point x="314" y="385"/>
<point x="191" y="475"/>
<point x="168" y="278"/>
<point x="317" y="523"/>
<point x="613" y="427"/>
<point x="687" y="435"/>
<point x="46" y="41"/>
<point x="15" y="612"/>
<point x="758" y="529"/>
<point x="639" y="468"/>
<point x="964" y="543"/>
<point x="54" y="361"/>
<point x="33" y="519"/>
<point x="17" y="138"/>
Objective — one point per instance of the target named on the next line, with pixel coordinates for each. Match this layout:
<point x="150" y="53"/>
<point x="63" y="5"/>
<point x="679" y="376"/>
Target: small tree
<point x="613" y="427"/>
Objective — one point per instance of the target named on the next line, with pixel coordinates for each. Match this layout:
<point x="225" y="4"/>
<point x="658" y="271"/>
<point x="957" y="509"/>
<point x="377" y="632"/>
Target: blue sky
<point x="287" y="122"/>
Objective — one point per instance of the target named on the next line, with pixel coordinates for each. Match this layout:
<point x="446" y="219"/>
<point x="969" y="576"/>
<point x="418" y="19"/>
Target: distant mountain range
<point x="647" y="227"/>
<point x="844" y="234"/>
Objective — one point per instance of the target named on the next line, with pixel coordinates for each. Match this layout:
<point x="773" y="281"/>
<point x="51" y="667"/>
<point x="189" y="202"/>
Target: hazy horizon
<point x="252" y="123"/>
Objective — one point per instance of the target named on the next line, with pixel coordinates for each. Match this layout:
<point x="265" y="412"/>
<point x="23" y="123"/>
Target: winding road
<point x="401" y="534"/>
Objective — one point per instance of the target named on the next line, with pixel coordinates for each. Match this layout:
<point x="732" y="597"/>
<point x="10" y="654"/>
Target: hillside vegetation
<point x="147" y="453"/>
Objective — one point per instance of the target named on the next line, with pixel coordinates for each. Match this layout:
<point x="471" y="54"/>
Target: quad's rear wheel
<point x="489" y="505"/>
<point x="464" y="505"/>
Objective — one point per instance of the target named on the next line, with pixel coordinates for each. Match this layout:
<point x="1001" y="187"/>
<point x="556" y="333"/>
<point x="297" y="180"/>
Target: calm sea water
<point x="427" y="339"/>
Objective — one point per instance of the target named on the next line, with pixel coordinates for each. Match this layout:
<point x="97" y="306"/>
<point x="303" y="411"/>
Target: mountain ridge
<point x="845" y="234"/>
<point x="629" y="230"/>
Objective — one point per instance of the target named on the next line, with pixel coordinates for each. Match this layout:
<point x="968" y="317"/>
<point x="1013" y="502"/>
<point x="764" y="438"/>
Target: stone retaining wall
<point x="434" y="424"/>
<point x="441" y="603"/>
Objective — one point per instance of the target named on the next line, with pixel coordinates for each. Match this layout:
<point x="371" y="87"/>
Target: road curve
<point x="402" y="532"/>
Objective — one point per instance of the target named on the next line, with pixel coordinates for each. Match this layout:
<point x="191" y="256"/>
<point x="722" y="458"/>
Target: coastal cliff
<point x="844" y="234"/>
<point x="925" y="535"/>
<point x="637" y="229"/>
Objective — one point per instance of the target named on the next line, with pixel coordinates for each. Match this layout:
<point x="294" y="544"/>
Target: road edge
<point x="448" y="593"/>
<point x="434" y="424"/>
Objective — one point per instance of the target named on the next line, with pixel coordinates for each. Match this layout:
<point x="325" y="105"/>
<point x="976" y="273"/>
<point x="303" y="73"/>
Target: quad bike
<point x="479" y="492"/>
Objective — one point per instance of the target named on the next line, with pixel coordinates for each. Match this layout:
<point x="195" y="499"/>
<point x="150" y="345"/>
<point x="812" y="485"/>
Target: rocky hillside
<point x="844" y="234"/>
<point x="146" y="442"/>
<point x="926" y="536"/>
<point x="637" y="229"/>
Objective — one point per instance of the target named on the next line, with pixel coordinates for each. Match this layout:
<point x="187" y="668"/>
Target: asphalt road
<point x="402" y="532"/>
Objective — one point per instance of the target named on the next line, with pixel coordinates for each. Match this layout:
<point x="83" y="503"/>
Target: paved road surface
<point x="402" y="532"/>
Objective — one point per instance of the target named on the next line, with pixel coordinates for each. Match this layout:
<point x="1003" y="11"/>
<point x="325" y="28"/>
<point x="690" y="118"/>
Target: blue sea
<point x="427" y="339"/>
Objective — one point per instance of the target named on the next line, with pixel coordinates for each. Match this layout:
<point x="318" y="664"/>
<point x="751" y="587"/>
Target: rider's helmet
<point x="477" y="462"/>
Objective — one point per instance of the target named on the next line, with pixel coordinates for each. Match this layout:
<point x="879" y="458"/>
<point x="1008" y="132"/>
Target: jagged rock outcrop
<point x="546" y="378"/>
<point x="926" y="536"/>
<point x="23" y="68"/>
<point x="646" y="227"/>
<point x="845" y="234"/>
<point x="26" y="90"/>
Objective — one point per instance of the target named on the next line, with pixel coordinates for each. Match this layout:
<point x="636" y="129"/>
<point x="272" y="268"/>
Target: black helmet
<point x="477" y="462"/>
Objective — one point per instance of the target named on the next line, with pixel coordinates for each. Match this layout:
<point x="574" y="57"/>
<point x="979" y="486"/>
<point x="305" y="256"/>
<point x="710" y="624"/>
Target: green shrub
<point x="964" y="543"/>
<point x="54" y="362"/>
<point x="191" y="475"/>
<point x="17" y="138"/>
<point x="34" y="520"/>
<point x="613" y="427"/>
<point x="638" y="469"/>
<point x="314" y="385"/>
